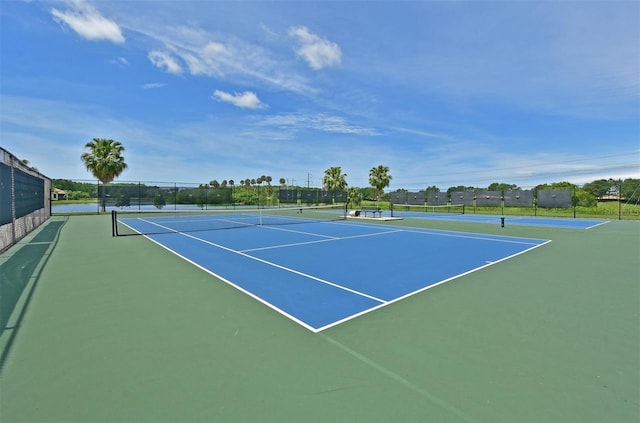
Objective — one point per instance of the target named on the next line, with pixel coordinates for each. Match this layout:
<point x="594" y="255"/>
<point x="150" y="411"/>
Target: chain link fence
<point x="25" y="201"/>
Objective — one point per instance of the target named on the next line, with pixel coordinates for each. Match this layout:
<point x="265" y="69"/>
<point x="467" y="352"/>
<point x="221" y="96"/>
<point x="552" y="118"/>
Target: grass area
<point x="83" y="201"/>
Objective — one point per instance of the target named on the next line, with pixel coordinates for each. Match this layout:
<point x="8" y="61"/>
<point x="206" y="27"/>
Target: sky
<point x="444" y="93"/>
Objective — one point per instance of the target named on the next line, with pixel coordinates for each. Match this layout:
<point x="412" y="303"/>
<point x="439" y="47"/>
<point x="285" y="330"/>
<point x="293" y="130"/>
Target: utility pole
<point x="620" y="199"/>
<point x="308" y="180"/>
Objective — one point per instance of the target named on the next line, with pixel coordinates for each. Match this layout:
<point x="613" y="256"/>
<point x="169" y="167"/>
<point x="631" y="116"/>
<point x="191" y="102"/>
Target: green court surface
<point x="120" y="330"/>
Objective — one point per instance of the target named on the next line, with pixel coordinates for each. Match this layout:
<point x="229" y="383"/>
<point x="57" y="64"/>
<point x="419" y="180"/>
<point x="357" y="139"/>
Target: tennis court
<point x="305" y="269"/>
<point x="121" y="329"/>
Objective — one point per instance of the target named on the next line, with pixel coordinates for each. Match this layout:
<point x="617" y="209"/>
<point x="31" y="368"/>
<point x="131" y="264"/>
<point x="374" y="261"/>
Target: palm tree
<point x="354" y="197"/>
<point x="379" y="178"/>
<point x="104" y="160"/>
<point x="259" y="181"/>
<point x="268" y="180"/>
<point x="334" y="179"/>
<point x="233" y="193"/>
<point x="26" y="163"/>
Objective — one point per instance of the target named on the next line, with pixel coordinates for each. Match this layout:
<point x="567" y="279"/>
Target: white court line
<point x="417" y="291"/>
<point x="445" y="233"/>
<point x="469" y="235"/>
<point x="269" y="263"/>
<point x="272" y="247"/>
<point x="598" y="224"/>
<point x="496" y="238"/>
<point x="277" y="228"/>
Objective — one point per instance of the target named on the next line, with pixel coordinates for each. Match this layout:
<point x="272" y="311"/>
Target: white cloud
<point x="153" y="85"/>
<point x="199" y="50"/>
<point x="210" y="60"/>
<point x="120" y="61"/>
<point x="87" y="21"/>
<point x="320" y="122"/>
<point x="165" y="61"/>
<point x="318" y="52"/>
<point x="245" y="100"/>
<point x="340" y="125"/>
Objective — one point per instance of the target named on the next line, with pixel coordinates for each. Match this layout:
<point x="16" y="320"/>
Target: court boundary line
<point x="456" y="234"/>
<point x="410" y="294"/>
<point x="467" y="235"/>
<point x="598" y="224"/>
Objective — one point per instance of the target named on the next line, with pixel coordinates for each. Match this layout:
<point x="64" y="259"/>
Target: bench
<point x="369" y="209"/>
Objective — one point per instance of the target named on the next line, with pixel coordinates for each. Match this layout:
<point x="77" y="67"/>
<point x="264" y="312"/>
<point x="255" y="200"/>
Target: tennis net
<point x="124" y="223"/>
<point x="399" y="210"/>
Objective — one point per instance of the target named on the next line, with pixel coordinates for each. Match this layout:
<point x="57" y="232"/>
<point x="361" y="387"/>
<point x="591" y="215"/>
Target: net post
<point x="114" y="226"/>
<point x="391" y="208"/>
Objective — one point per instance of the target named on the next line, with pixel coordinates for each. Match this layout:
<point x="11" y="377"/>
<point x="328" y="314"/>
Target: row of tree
<point x="628" y="189"/>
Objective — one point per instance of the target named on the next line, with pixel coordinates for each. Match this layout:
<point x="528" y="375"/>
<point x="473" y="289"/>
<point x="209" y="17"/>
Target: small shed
<point x="58" y="194"/>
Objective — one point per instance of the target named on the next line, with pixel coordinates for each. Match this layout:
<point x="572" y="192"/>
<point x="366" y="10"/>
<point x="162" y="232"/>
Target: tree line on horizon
<point x="105" y="160"/>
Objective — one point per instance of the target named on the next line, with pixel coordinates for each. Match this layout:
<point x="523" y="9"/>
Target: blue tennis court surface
<point x="557" y="222"/>
<point x="320" y="274"/>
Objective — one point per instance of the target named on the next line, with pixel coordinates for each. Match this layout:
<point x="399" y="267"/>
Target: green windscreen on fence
<point x="5" y="193"/>
<point x="554" y="198"/>
<point x="28" y="193"/>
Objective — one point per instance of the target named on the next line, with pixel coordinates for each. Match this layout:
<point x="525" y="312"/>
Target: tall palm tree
<point x="334" y="179"/>
<point x="354" y="197"/>
<point x="104" y="159"/>
<point x="268" y="180"/>
<point x="233" y="192"/>
<point x="379" y="178"/>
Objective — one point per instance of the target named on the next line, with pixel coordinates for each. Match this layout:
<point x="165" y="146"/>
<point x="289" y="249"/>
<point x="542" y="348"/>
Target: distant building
<point x="611" y="197"/>
<point x="58" y="194"/>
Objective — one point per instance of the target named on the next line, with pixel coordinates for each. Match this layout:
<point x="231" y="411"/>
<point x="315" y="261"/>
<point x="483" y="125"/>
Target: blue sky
<point x="444" y="93"/>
